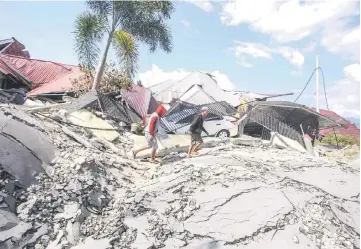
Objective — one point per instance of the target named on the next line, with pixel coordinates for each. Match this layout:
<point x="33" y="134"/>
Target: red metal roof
<point x="140" y="99"/>
<point x="37" y="71"/>
<point x="62" y="84"/>
<point x="13" y="47"/>
<point x="5" y="69"/>
<point x="351" y="129"/>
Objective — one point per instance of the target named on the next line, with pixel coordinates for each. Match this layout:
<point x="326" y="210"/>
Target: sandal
<point x="154" y="161"/>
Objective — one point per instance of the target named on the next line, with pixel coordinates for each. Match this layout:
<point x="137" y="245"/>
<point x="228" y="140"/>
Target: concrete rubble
<point x="86" y="193"/>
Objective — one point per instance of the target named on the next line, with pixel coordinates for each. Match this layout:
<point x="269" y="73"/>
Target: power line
<point x="324" y="89"/>
<point x="309" y="80"/>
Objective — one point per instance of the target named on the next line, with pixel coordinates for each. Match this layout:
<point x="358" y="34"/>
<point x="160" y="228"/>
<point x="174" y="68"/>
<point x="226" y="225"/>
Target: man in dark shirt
<point x="195" y="131"/>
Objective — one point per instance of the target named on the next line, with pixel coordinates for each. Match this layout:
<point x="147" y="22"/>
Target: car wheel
<point x="223" y="134"/>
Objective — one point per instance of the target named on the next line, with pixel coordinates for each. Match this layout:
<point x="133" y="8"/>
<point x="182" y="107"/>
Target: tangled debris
<point x="92" y="196"/>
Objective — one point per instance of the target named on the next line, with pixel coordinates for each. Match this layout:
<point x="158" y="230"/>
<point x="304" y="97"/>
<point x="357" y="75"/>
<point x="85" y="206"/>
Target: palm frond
<point x="162" y="9"/>
<point x="101" y="8"/>
<point x="127" y="52"/>
<point x="89" y="31"/>
<point x="145" y="20"/>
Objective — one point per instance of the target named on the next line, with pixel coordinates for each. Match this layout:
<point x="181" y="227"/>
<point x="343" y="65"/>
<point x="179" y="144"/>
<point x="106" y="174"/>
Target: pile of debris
<point x="88" y="194"/>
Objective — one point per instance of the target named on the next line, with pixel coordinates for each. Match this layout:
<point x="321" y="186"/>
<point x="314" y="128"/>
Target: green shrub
<point x="342" y="140"/>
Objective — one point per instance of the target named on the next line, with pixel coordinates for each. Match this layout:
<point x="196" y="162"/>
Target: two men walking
<point x="152" y="127"/>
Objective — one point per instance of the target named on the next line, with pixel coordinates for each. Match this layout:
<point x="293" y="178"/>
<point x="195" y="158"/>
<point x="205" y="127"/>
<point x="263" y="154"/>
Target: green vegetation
<point x="342" y="140"/>
<point x="122" y="24"/>
<point x="112" y="81"/>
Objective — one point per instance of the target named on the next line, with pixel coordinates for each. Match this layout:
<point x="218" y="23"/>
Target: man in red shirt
<point x="150" y="131"/>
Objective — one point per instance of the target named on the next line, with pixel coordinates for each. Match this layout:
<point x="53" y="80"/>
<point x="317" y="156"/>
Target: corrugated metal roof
<point x="138" y="98"/>
<point x="4" y="69"/>
<point x="62" y="84"/>
<point x="350" y="130"/>
<point x="37" y="71"/>
<point x="13" y="47"/>
<point x="182" y="114"/>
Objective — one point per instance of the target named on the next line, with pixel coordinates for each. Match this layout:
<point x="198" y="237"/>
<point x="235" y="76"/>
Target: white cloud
<point x="294" y="20"/>
<point x="243" y="50"/>
<point x="353" y="71"/>
<point x="205" y="5"/>
<point x="344" y="95"/>
<point x="157" y="75"/>
<point x="340" y="39"/>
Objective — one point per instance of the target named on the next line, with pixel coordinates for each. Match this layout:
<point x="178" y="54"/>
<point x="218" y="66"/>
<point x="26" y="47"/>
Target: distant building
<point x="350" y="129"/>
<point x="18" y="70"/>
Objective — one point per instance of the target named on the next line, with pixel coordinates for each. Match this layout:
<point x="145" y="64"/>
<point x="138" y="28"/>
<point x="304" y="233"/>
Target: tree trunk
<point x="100" y="70"/>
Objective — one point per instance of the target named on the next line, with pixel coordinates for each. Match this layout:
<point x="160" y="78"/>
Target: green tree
<point x="123" y="24"/>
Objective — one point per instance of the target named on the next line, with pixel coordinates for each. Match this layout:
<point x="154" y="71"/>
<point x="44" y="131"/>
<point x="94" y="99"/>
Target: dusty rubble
<point x="232" y="195"/>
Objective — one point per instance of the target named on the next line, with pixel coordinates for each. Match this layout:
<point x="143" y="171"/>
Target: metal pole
<point x="317" y="89"/>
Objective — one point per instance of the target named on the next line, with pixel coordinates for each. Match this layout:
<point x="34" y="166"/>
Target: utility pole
<point x="317" y="89"/>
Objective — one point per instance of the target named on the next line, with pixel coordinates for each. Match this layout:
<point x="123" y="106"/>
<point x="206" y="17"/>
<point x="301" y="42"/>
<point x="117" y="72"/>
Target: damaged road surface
<point x="231" y="196"/>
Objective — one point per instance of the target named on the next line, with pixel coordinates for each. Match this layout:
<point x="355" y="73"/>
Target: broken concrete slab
<point x="283" y="142"/>
<point x="13" y="155"/>
<point x="24" y="117"/>
<point x="31" y="238"/>
<point x="349" y="213"/>
<point x="308" y="143"/>
<point x="239" y="215"/>
<point x="247" y="141"/>
<point x="331" y="180"/>
<point x="141" y="225"/>
<point x="103" y="130"/>
<point x="32" y="139"/>
<point x="12" y="227"/>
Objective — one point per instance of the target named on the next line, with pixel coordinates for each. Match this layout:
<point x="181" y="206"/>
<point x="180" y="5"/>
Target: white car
<point x="222" y="127"/>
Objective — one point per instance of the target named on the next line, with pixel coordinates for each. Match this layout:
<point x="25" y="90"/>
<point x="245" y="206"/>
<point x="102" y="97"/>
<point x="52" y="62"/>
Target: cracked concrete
<point x="234" y="195"/>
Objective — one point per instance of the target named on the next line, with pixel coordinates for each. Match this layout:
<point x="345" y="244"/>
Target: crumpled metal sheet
<point x="183" y="113"/>
<point x="88" y="99"/>
<point x="117" y="110"/>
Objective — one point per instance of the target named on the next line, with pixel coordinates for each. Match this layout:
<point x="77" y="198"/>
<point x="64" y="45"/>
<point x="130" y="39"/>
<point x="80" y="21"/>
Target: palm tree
<point x="123" y="24"/>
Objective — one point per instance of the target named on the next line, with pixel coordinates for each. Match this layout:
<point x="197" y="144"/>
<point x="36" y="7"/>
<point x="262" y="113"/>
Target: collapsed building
<point x="256" y="116"/>
<point x="78" y="188"/>
<point x="286" y="118"/>
<point x="188" y="87"/>
<point x="22" y="77"/>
